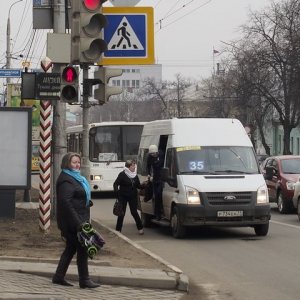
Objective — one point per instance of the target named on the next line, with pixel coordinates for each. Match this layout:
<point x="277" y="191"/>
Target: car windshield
<point x="216" y="160"/>
<point x="291" y="166"/>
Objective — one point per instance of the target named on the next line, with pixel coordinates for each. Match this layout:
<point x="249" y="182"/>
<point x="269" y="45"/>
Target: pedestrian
<point x="126" y="189"/>
<point x="155" y="162"/>
<point x="73" y="209"/>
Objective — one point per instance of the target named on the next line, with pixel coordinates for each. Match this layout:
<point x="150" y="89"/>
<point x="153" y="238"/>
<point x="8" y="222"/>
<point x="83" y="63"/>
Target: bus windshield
<point x="216" y="160"/>
<point x="114" y="143"/>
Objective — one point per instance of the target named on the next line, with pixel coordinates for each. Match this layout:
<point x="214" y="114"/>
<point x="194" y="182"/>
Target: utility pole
<point x="8" y="49"/>
<point x="59" y="108"/>
<point x="85" y="127"/>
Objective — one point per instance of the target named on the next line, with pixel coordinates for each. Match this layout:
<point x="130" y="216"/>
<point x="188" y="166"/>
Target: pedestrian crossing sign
<point x="129" y="36"/>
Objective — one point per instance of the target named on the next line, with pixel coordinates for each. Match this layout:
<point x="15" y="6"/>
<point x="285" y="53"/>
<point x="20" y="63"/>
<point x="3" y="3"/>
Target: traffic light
<point x="104" y="91"/>
<point x="87" y="43"/>
<point x="69" y="84"/>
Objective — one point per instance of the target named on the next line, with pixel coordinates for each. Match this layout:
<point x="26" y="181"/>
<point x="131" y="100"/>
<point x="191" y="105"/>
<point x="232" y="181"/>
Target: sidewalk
<point x="24" y="278"/>
<point x="23" y="286"/>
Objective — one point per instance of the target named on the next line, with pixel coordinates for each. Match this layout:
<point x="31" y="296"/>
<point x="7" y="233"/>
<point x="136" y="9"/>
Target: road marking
<point x="285" y="224"/>
<point x="211" y="290"/>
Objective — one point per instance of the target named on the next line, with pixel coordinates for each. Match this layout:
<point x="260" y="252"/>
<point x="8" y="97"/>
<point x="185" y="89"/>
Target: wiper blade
<point x="232" y="171"/>
<point x="198" y="172"/>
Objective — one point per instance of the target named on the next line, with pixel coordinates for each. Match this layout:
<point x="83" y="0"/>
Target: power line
<point x="176" y="20"/>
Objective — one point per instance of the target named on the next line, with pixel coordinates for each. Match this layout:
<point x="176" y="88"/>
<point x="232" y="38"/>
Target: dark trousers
<point x="132" y="201"/>
<point x="157" y="193"/>
<point x="73" y="246"/>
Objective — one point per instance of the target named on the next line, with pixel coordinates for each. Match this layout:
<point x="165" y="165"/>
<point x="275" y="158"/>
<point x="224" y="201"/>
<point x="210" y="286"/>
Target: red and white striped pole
<point x="45" y="156"/>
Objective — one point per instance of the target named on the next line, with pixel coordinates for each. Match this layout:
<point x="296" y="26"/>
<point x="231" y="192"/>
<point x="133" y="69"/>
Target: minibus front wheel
<point x="178" y="230"/>
<point x="261" y="229"/>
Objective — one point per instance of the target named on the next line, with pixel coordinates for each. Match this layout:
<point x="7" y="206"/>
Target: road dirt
<point x="23" y="237"/>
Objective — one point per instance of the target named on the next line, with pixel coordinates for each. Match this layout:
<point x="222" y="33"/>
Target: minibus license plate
<point x="230" y="213"/>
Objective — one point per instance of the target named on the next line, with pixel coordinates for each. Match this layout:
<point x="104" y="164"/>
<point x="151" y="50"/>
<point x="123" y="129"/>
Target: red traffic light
<point x="69" y="74"/>
<point x="93" y="4"/>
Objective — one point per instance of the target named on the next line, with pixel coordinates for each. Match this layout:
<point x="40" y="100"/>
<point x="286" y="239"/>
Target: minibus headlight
<point x="192" y="195"/>
<point x="262" y="195"/>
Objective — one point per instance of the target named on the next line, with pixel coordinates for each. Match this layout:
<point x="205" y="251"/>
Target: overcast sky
<point x="186" y="31"/>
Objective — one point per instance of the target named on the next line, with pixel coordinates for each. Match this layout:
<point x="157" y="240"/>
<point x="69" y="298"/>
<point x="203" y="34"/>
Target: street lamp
<point x="8" y="51"/>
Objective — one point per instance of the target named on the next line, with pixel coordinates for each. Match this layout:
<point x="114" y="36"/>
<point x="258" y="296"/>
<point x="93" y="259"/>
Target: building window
<point x="135" y="84"/>
<point x="116" y="82"/>
<point x="298" y="146"/>
<point x="292" y="145"/>
<point x="125" y="83"/>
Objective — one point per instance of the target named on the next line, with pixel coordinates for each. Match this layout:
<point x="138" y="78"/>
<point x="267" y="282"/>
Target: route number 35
<point x="196" y="165"/>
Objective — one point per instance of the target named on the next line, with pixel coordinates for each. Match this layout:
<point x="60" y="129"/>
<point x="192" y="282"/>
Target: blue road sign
<point x="11" y="73"/>
<point x="129" y="36"/>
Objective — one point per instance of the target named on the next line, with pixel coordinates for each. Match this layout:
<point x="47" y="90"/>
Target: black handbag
<point x="148" y="191"/>
<point x="118" y="209"/>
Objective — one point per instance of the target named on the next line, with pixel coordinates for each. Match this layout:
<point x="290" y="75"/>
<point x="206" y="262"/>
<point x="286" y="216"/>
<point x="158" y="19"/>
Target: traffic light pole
<point x="85" y="123"/>
<point x="59" y="108"/>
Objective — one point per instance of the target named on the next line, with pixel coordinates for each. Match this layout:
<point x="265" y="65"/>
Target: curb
<point x="145" y="278"/>
<point x="181" y="278"/>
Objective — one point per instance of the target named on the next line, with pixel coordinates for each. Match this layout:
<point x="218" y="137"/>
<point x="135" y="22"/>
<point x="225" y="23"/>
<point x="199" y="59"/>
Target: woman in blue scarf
<point x="72" y="210"/>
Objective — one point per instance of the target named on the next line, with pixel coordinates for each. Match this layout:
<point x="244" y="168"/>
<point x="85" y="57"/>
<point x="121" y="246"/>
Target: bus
<point x="110" y="145"/>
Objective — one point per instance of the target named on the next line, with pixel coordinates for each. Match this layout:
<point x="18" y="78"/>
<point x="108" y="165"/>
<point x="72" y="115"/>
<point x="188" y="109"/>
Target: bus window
<point x="131" y="141"/>
<point x="104" y="145"/>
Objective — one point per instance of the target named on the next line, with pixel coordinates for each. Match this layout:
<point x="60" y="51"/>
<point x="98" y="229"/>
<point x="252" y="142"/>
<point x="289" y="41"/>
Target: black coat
<point x="154" y="165"/>
<point x="71" y="209"/>
<point x="125" y="186"/>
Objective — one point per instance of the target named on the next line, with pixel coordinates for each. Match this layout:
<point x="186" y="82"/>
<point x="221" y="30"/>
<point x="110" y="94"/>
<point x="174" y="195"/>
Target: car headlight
<point x="290" y="185"/>
<point x="192" y="195"/>
<point x="262" y="195"/>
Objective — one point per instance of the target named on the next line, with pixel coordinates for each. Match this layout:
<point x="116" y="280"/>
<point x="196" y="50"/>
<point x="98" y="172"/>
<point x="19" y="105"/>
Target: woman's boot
<point x="83" y="271"/>
<point x="61" y="270"/>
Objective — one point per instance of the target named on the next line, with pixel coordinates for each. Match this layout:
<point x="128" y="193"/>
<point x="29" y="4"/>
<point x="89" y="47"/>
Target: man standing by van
<point x="155" y="161"/>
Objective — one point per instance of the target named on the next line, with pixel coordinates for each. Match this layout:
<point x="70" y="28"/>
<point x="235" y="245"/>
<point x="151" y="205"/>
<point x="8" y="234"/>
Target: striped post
<point x="45" y="157"/>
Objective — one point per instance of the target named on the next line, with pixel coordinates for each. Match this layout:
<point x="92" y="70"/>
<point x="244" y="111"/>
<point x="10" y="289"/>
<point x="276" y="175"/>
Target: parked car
<point x="296" y="198"/>
<point x="281" y="173"/>
<point x="261" y="158"/>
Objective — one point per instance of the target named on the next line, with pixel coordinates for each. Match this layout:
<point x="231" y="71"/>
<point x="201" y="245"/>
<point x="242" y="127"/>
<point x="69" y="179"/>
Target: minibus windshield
<point x="216" y="160"/>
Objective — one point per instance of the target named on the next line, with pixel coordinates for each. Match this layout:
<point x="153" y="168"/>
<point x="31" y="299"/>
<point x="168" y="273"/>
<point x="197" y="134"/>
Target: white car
<point x="296" y="197"/>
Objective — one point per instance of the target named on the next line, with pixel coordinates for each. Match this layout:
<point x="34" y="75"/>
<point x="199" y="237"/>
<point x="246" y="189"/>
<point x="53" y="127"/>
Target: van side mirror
<point x="269" y="173"/>
<point x="165" y="178"/>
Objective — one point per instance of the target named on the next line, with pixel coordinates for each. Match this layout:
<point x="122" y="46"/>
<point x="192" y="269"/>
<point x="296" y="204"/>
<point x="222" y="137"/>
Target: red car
<point x="281" y="173"/>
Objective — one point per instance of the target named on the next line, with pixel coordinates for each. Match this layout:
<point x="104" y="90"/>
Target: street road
<point x="225" y="263"/>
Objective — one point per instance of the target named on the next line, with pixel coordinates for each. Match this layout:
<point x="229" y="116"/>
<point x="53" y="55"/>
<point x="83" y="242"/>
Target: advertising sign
<point x="15" y="147"/>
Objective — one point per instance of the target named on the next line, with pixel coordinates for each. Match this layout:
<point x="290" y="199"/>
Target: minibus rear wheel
<point x="178" y="230"/>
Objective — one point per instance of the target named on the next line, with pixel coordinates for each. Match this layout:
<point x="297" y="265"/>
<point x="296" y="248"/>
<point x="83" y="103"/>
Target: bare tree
<point x="272" y="44"/>
<point x="168" y="92"/>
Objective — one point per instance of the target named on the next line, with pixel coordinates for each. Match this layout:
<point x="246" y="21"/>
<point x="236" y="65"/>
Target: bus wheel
<point x="178" y="230"/>
<point x="146" y="219"/>
<point x="261" y="229"/>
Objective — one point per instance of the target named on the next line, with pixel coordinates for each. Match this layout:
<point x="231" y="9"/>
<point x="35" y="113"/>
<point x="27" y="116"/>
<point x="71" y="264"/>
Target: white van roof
<point x="200" y="131"/>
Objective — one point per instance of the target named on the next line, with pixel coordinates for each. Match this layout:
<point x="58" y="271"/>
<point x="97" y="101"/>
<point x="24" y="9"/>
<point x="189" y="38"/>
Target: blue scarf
<point x="82" y="180"/>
